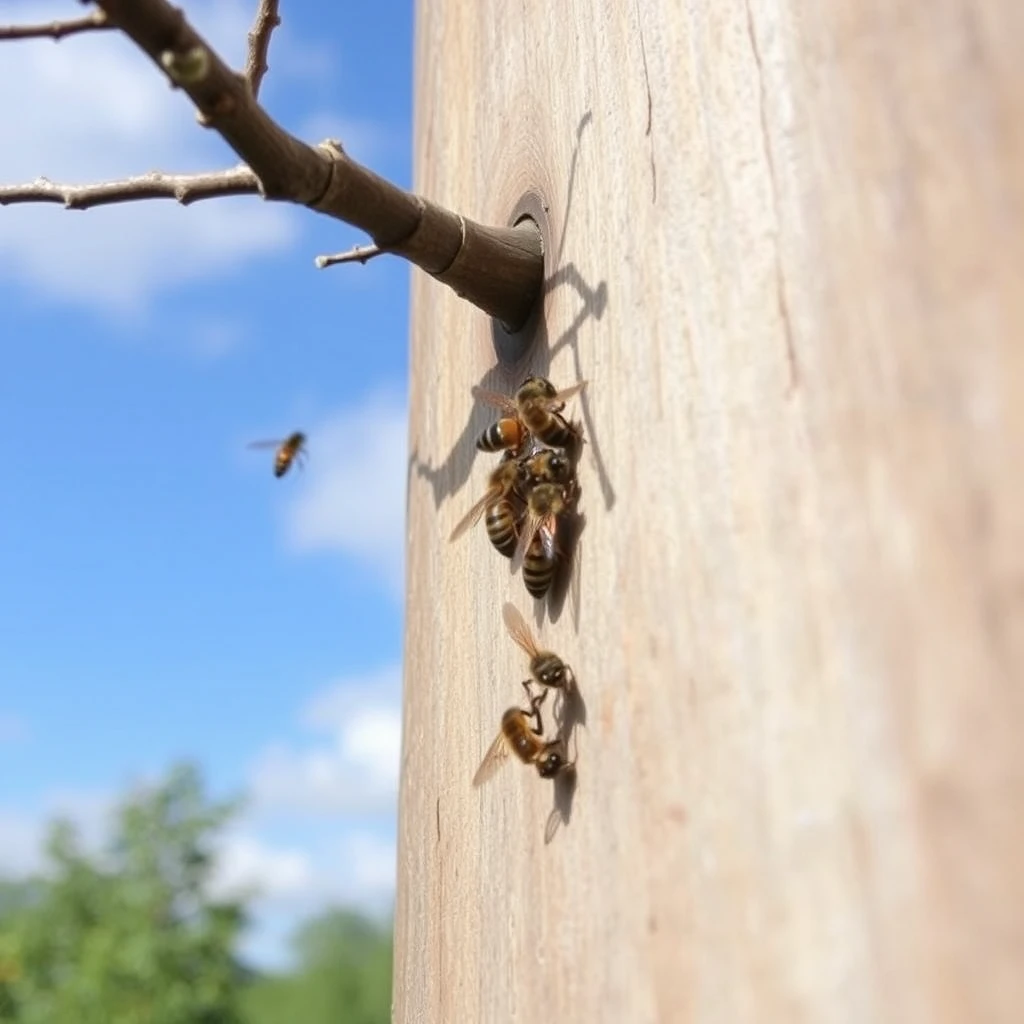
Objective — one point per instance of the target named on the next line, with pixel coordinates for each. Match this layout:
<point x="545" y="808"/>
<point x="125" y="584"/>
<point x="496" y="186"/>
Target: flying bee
<point x="499" y="503"/>
<point x="536" y="406"/>
<point x="526" y="741"/>
<point x="546" y="667"/>
<point x="545" y="504"/>
<point x="291" y="449"/>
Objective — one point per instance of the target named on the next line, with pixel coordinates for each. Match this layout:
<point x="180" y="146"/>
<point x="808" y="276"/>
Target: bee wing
<point x="547" y="539"/>
<point x="264" y="444"/>
<point x="473" y="515"/>
<point x="496" y="756"/>
<point x="531" y="524"/>
<point x="495" y="398"/>
<point x="562" y="397"/>
<point x="518" y="629"/>
<point x="553" y="823"/>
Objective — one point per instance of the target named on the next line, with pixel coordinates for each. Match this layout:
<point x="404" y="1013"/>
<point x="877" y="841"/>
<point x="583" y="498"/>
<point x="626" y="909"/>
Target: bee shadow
<point x="528" y="352"/>
<point x="568" y="571"/>
<point x="450" y="475"/>
<point x="571" y="715"/>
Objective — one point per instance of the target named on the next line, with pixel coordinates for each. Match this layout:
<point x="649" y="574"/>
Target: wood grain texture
<point x="784" y="243"/>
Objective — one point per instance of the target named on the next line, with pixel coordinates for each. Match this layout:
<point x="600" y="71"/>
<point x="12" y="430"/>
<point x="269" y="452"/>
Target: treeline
<point x="133" y="935"/>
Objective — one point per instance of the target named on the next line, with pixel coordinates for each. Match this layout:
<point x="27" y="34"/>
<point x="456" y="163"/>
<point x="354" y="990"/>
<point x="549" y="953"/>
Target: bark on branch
<point x="498" y="269"/>
<point x="95" y="22"/>
<point x="357" y="254"/>
<point x="267" y="19"/>
<point x="185" y="188"/>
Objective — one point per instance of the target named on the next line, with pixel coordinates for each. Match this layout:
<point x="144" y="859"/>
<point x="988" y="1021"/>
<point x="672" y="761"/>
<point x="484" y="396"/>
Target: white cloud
<point x="353" y="768"/>
<point x="354" y="869"/>
<point x="245" y="865"/>
<point x="352" y="496"/>
<point x="22" y="851"/>
<point x="93" y="108"/>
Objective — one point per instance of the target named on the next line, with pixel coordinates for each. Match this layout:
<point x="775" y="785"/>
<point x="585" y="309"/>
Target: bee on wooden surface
<point x="507" y="434"/>
<point x="536" y="406"/>
<point x="291" y="449"/>
<point x="539" y="563"/>
<point x="546" y="667"/>
<point x="545" y="504"/>
<point x="526" y="741"/>
<point x="544" y="466"/>
<point x="500" y="505"/>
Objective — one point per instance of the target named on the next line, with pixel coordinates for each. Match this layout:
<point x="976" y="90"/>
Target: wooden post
<point x="784" y="244"/>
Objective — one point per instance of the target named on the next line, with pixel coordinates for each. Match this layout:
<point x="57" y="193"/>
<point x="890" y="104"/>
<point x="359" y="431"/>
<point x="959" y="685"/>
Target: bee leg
<point x="535" y="704"/>
<point x="535" y="699"/>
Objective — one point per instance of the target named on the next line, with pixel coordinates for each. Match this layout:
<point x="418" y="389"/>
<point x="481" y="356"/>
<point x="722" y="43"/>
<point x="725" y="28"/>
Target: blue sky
<point x="162" y="595"/>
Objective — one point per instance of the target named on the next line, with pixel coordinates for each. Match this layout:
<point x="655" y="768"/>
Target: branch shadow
<point x="452" y="473"/>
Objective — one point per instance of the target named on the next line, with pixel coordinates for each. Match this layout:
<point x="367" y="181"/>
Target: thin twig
<point x="95" y="22"/>
<point x="357" y="254"/>
<point x="267" y="19"/>
<point x="499" y="269"/>
<point x="185" y="188"/>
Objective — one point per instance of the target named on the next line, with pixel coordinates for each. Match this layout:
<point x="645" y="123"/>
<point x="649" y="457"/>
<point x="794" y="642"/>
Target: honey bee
<point x="291" y="449"/>
<point x="526" y="742"/>
<point x="545" y="465"/>
<point x="545" y="503"/>
<point x="536" y="407"/>
<point x="507" y="433"/>
<point x="546" y="667"/>
<point x="500" y="504"/>
<point x="539" y="563"/>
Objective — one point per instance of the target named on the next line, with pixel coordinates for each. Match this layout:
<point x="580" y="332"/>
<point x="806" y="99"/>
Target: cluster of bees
<point x="529" y="493"/>
<point x="534" y="484"/>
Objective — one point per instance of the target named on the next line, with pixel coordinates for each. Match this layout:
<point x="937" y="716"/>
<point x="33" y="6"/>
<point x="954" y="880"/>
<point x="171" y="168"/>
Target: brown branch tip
<point x="185" y="188"/>
<point x="357" y="254"/>
<point x="57" y="30"/>
<point x="267" y="19"/>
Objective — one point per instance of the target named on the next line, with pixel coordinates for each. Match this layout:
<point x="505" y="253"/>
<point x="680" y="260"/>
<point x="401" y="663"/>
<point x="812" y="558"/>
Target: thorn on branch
<point x="57" y="30"/>
<point x="357" y="254"/>
<point x="267" y="19"/>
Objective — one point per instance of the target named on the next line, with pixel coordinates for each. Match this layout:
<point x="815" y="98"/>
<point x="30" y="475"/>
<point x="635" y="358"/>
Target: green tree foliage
<point x="343" y="977"/>
<point x="132" y="936"/>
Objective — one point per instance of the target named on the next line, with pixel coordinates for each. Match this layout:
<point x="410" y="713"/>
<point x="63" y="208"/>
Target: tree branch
<point x="500" y="270"/>
<point x="267" y="19"/>
<point x="95" y="22"/>
<point x="185" y="188"/>
<point x="357" y="254"/>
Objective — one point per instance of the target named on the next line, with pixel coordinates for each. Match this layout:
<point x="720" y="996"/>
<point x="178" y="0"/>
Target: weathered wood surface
<point x="785" y="245"/>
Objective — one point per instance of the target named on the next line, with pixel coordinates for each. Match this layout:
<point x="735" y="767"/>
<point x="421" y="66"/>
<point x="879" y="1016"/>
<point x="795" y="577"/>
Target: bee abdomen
<point x="501" y="527"/>
<point x="538" y="568"/>
<point x="505" y="433"/>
